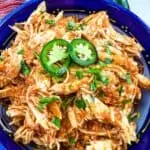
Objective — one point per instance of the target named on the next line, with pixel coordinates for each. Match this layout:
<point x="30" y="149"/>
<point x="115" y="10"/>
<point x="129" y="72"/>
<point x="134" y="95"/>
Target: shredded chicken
<point x="89" y="110"/>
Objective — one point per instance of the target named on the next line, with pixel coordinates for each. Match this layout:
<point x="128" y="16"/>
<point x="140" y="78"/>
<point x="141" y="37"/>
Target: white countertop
<point x="141" y="8"/>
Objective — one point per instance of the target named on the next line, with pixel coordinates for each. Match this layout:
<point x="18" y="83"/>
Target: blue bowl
<point x="122" y="18"/>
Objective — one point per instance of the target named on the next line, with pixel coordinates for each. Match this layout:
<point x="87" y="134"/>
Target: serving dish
<point x="130" y="24"/>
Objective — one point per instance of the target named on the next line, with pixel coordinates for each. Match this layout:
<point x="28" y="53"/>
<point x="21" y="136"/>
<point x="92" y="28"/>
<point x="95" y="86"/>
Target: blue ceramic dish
<point x="121" y="17"/>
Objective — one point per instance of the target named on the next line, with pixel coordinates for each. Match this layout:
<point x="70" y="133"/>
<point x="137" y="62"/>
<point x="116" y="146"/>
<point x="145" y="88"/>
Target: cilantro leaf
<point x="79" y="74"/>
<point x="127" y="101"/>
<point x="99" y="76"/>
<point x="93" y="85"/>
<point x="40" y="107"/>
<point x="104" y="79"/>
<point x="80" y="103"/>
<point x="57" y="122"/>
<point x="70" y="86"/>
<point x="88" y="144"/>
<point x="51" y="22"/>
<point x="72" y="140"/>
<point x="108" y="61"/>
<point x="94" y="71"/>
<point x="20" y="52"/>
<point x="102" y="64"/>
<point x="120" y="90"/>
<point x="108" y="50"/>
<point x="25" y="68"/>
<point x="47" y="100"/>
<point x="70" y="25"/>
<point x="128" y="78"/>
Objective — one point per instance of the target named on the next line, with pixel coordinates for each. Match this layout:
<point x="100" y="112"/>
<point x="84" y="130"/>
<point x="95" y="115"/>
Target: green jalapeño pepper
<point x="83" y="52"/>
<point x="55" y="58"/>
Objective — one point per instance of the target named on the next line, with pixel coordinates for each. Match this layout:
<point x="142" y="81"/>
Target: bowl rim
<point x="6" y="18"/>
<point x="5" y="21"/>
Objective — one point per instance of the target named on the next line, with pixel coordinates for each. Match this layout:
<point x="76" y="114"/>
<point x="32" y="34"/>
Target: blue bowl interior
<point x="130" y="24"/>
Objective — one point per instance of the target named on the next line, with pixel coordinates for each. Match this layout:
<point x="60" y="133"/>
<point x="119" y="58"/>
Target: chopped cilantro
<point x="51" y="22"/>
<point x="20" y="52"/>
<point x="57" y="122"/>
<point x="93" y="85"/>
<point x="88" y="144"/>
<point x="72" y="140"/>
<point x="102" y="64"/>
<point x="47" y="100"/>
<point x="80" y="103"/>
<point x="25" y="68"/>
<point x="40" y="107"/>
<point x="94" y="71"/>
<point x="70" y="86"/>
<point x="128" y="78"/>
<point x="70" y="25"/>
<point x="108" y="61"/>
<point x="108" y="50"/>
<point x="120" y="90"/>
<point x="99" y="76"/>
<point x="79" y="74"/>
<point x="127" y="101"/>
<point x="104" y="79"/>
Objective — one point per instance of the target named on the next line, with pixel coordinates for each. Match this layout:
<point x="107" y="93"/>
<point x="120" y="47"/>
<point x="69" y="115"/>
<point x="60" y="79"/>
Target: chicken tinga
<point x="72" y="83"/>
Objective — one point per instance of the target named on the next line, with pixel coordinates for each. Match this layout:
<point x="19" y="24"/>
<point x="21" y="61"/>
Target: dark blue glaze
<point x="120" y="15"/>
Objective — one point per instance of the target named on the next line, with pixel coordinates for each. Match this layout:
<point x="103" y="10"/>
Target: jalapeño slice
<point x="55" y="58"/>
<point x="83" y="52"/>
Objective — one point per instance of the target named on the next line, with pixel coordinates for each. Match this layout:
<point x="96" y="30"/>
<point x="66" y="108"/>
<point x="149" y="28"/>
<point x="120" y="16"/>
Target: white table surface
<point x="141" y="8"/>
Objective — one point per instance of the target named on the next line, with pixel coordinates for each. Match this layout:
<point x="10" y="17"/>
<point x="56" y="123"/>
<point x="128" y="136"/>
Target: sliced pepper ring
<point x="55" y="58"/>
<point x="83" y="52"/>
